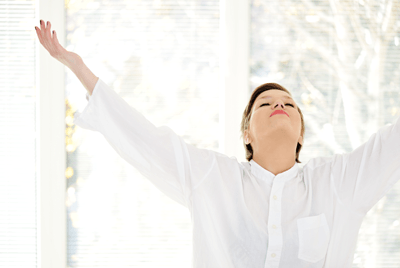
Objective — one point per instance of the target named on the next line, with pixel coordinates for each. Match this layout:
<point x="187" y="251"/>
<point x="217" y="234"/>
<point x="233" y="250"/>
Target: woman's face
<point x="263" y="125"/>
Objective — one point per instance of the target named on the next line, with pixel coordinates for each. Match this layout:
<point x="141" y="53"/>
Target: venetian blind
<point x="341" y="62"/>
<point x="18" y="228"/>
<point x="162" y="58"/>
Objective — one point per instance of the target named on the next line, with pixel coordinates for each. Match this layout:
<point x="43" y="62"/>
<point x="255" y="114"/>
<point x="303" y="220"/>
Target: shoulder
<point x="231" y="163"/>
<point x="319" y="162"/>
<point x="332" y="163"/>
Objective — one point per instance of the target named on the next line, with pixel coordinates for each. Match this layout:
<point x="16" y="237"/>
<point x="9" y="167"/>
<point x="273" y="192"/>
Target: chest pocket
<point x="314" y="237"/>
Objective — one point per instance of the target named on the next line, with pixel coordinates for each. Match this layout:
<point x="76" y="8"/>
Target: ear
<point x="247" y="138"/>
<point x="300" y="140"/>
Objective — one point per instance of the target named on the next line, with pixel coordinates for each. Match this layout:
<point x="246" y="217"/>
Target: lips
<point x="278" y="112"/>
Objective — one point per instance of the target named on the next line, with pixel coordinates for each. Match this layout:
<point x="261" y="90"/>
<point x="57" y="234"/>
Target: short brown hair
<point x="247" y="114"/>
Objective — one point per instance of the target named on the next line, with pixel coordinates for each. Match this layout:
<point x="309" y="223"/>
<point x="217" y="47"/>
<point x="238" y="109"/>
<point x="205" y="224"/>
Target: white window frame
<point x="234" y="74"/>
<point x="50" y="143"/>
<point x="50" y="112"/>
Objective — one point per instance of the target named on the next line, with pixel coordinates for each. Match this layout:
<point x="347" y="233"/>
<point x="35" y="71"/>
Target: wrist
<point x="71" y="60"/>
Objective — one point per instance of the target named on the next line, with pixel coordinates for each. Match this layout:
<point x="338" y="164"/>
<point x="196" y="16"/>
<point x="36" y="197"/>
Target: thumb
<point x="55" y="36"/>
<point x="58" y="45"/>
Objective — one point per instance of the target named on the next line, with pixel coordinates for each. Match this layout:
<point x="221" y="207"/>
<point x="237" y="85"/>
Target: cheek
<point x="259" y="123"/>
<point x="298" y="123"/>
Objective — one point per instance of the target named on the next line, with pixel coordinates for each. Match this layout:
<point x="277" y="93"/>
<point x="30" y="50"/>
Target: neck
<point x="277" y="157"/>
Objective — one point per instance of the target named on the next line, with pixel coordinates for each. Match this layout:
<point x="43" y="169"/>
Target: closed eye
<point x="285" y="104"/>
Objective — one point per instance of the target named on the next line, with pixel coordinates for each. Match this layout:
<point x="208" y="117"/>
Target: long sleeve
<point x="158" y="153"/>
<point x="362" y="177"/>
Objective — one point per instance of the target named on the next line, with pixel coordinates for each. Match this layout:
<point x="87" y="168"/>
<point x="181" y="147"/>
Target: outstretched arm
<point x="362" y="177"/>
<point x="162" y="156"/>
<point x="175" y="167"/>
<point x="70" y="59"/>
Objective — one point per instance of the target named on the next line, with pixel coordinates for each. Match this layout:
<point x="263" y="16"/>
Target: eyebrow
<point x="268" y="97"/>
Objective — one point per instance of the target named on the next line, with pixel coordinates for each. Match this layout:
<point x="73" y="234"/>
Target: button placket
<point x="276" y="207"/>
<point x="274" y="221"/>
<point x="275" y="239"/>
<point x="273" y="225"/>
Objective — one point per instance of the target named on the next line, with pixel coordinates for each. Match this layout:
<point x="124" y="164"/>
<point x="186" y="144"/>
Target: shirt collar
<point x="260" y="172"/>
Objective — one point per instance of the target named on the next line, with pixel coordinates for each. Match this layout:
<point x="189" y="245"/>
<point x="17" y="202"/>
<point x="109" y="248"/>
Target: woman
<point x="267" y="212"/>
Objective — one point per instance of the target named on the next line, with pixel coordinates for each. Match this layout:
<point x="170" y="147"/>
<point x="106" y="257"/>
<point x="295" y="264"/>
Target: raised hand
<point x="68" y="58"/>
<point x="50" y="42"/>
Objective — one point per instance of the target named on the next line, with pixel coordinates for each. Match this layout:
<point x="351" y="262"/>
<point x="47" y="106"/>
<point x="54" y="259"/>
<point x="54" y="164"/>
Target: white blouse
<point x="244" y="216"/>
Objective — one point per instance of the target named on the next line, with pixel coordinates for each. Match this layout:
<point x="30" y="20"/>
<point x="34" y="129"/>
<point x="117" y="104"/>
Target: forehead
<point x="273" y="93"/>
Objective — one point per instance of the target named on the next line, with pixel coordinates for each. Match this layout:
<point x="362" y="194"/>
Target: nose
<point x="279" y="103"/>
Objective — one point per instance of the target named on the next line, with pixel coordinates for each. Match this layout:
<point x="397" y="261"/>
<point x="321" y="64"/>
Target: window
<point x="340" y="60"/>
<point x="162" y="58"/>
<point x="18" y="177"/>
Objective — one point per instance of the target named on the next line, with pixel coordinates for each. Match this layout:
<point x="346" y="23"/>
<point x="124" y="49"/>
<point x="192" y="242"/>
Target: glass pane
<point x="18" y="178"/>
<point x="162" y="58"/>
<point x="341" y="62"/>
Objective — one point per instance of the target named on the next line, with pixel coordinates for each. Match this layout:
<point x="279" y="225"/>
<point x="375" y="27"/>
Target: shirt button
<point x="273" y="255"/>
<point x="275" y="197"/>
<point x="274" y="226"/>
